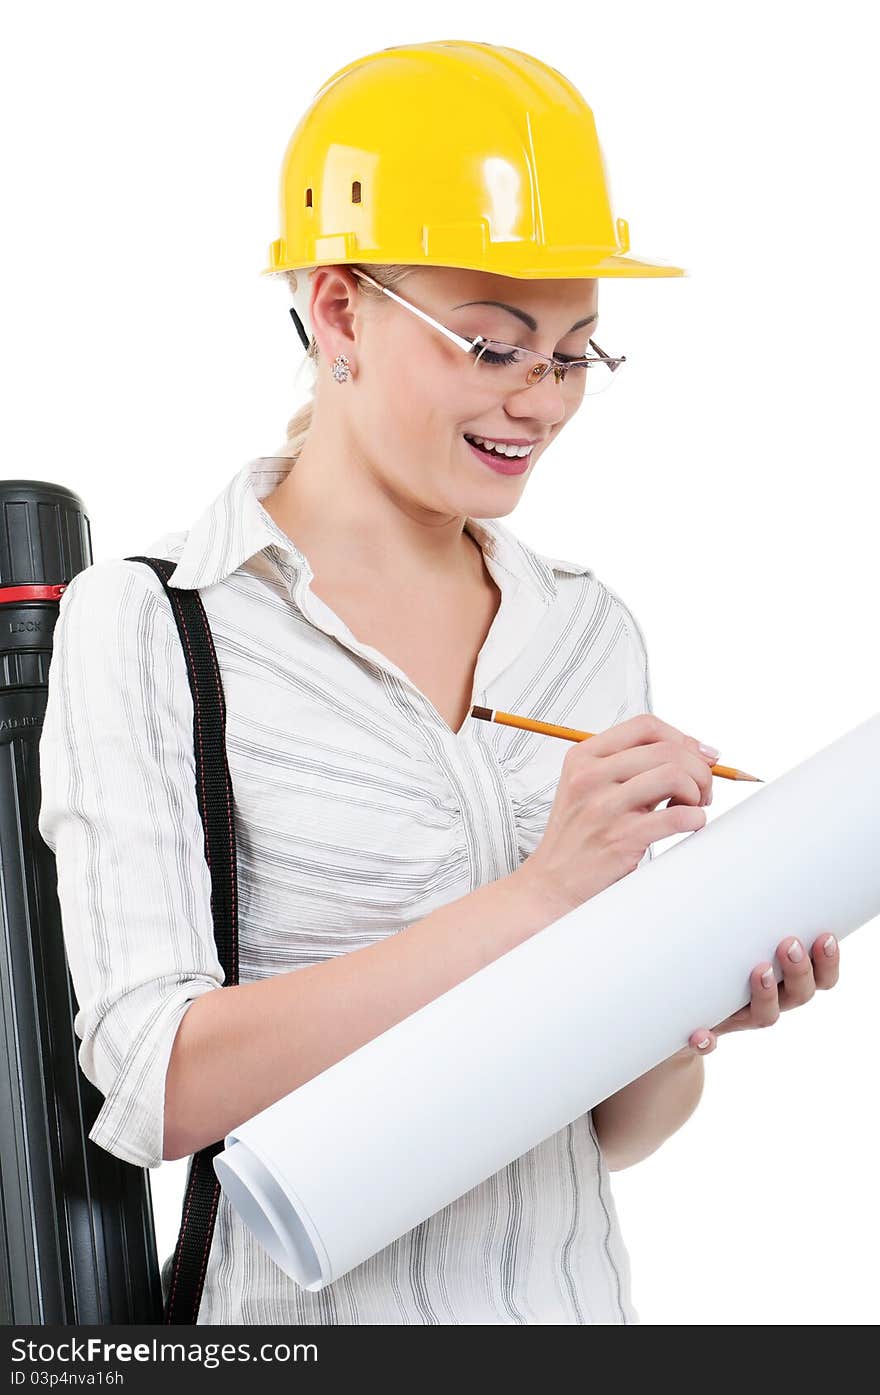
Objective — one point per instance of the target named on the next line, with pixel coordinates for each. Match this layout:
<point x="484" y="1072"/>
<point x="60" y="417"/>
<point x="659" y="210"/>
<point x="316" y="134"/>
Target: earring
<point x="339" y="368"/>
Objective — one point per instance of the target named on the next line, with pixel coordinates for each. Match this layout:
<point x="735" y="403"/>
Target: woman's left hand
<point x="801" y="976"/>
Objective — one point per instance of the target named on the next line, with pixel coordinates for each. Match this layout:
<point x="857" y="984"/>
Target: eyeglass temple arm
<point x="465" y="344"/>
<point x="459" y="339"/>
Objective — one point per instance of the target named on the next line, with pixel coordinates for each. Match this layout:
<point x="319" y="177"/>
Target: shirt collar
<point x="236" y="526"/>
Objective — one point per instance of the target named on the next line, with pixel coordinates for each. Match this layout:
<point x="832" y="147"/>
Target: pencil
<point x="510" y="719"/>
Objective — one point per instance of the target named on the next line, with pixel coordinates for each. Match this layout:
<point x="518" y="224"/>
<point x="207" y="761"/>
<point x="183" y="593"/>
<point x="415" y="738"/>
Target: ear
<point x="333" y="310"/>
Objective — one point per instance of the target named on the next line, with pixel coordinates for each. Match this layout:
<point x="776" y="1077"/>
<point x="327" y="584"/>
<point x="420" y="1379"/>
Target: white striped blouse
<point x="358" y="812"/>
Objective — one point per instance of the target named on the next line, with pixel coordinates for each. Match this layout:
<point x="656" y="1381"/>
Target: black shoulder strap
<point x="214" y="791"/>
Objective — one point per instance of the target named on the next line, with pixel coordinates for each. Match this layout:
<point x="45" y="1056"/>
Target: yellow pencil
<point x="510" y="719"/>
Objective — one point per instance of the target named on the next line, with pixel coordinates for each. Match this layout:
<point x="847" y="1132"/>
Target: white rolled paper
<point x="357" y="1156"/>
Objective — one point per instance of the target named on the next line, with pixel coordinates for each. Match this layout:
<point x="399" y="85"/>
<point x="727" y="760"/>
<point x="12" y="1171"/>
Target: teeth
<point x="497" y="447"/>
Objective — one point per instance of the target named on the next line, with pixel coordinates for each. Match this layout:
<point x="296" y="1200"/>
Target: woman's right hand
<point x="605" y="813"/>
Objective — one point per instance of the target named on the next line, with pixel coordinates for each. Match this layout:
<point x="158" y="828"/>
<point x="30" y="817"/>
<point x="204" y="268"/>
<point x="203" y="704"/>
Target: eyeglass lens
<point x="515" y="368"/>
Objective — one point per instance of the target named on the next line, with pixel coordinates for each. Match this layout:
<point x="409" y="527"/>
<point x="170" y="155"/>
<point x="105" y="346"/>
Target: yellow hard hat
<point x="451" y="153"/>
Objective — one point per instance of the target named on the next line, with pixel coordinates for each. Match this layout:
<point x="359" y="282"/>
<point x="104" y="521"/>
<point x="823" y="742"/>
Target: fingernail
<point x="703" y="1044"/>
<point x="795" y="953"/>
<point x="830" y="946"/>
<point x="709" y="751"/>
<point x="768" y="978"/>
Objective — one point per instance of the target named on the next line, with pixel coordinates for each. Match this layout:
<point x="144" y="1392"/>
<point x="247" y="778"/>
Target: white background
<point x="725" y="488"/>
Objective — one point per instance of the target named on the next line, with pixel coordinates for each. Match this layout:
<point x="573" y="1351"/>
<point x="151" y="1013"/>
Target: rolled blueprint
<point x="534" y="1040"/>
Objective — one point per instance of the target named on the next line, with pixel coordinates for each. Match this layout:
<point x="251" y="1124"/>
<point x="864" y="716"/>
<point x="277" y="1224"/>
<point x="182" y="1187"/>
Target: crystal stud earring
<point x="339" y="368"/>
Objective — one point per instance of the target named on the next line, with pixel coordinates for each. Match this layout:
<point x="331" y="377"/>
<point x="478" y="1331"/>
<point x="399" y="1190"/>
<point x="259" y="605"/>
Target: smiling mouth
<point x="506" y="449"/>
<point x="500" y="463"/>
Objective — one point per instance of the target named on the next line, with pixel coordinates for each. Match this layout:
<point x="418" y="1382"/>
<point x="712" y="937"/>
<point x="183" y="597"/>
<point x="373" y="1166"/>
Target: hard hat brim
<point x="613" y="266"/>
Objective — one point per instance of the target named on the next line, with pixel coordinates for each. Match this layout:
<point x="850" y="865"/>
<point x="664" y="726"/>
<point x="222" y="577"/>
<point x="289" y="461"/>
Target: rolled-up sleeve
<point x="119" y="811"/>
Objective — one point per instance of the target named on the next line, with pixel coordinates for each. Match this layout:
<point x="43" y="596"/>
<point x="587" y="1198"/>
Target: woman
<point x="389" y="845"/>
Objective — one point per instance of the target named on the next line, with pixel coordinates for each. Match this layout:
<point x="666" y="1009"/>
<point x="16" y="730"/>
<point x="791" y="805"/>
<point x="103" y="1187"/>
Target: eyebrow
<point x="526" y="319"/>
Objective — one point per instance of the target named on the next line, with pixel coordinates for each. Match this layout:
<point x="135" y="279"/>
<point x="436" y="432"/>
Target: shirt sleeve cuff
<point x="131" y="1122"/>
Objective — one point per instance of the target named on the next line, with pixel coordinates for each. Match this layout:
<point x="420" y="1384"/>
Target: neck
<point x="335" y="506"/>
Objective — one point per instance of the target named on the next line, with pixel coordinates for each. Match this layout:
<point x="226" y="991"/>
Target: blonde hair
<point x="300" y="423"/>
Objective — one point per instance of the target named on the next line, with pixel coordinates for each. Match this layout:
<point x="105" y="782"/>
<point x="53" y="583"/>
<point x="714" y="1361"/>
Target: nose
<point x="545" y="401"/>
